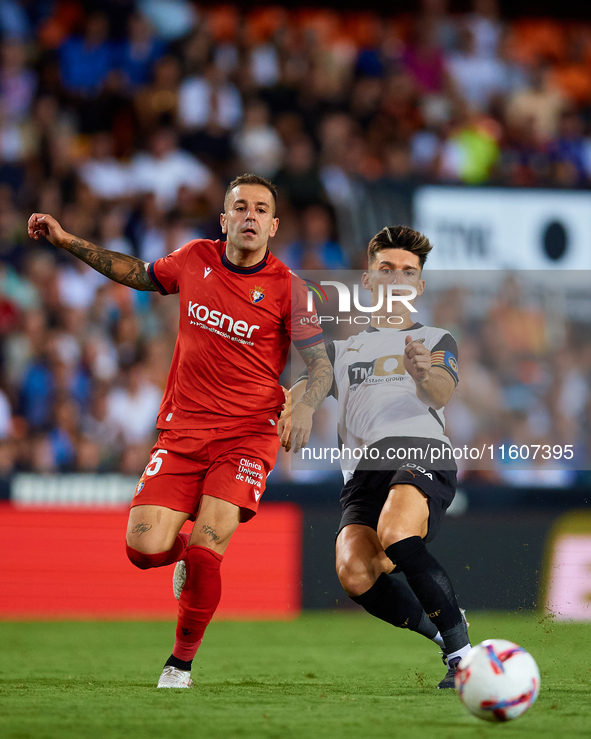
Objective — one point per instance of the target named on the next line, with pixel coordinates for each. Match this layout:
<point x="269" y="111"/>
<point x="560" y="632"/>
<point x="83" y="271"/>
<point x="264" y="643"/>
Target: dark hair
<point x="400" y="237"/>
<point x="252" y="179"/>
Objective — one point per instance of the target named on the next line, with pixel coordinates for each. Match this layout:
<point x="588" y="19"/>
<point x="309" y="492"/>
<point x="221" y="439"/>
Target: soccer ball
<point x="498" y="680"/>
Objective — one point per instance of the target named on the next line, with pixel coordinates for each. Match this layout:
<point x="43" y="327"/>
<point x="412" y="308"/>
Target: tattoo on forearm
<point x="122" y="268"/>
<point x="320" y="375"/>
<point x="209" y="531"/>
<point x="141" y="528"/>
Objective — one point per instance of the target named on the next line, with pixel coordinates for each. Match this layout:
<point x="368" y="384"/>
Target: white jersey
<point x="376" y="397"/>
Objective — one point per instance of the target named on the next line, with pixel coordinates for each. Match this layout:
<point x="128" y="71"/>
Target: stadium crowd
<point x="126" y="120"/>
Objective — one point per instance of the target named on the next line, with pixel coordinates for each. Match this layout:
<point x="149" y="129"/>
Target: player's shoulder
<point x="353" y="341"/>
<point x="431" y="334"/>
<point x="204" y="247"/>
<point x="198" y="249"/>
<point x="280" y="269"/>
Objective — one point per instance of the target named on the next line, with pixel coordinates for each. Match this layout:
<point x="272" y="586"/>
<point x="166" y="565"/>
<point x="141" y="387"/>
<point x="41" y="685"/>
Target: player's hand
<point x="42" y="224"/>
<point x="294" y="430"/>
<point x="417" y="359"/>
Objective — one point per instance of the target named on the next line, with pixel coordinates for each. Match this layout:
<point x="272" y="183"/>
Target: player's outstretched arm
<point x="122" y="268"/>
<point x="318" y="385"/>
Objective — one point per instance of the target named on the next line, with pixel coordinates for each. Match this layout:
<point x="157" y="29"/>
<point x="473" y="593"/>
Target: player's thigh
<point x="405" y="513"/>
<point x="215" y="523"/>
<point x="360" y="558"/>
<point x="153" y="528"/>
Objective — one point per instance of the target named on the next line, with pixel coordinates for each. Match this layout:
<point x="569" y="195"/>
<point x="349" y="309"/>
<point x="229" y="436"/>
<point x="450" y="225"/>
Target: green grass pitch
<point x="342" y="675"/>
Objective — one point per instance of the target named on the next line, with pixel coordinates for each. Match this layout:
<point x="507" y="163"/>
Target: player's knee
<point x="144" y="560"/>
<point x="354" y="578"/>
<point x="391" y="533"/>
<point x="139" y="559"/>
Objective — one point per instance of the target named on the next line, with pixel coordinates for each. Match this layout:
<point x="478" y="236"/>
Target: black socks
<point x="394" y="602"/>
<point x="431" y="585"/>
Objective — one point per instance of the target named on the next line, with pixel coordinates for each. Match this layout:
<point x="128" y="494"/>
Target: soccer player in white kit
<point x="392" y="382"/>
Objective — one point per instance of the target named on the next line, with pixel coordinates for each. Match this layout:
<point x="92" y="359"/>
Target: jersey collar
<point x="373" y="329"/>
<point x="244" y="270"/>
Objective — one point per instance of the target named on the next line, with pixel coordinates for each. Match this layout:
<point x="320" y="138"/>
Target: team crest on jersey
<point x="256" y="295"/>
<point x="140" y="486"/>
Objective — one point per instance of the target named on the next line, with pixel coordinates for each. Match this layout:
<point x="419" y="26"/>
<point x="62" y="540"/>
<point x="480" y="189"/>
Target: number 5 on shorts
<point x="155" y="463"/>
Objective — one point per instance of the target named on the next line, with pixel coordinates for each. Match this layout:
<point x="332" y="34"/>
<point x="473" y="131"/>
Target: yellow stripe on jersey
<point x="438" y="357"/>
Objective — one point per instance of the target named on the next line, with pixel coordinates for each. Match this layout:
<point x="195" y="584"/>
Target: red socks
<point x="198" y="601"/>
<point x="146" y="561"/>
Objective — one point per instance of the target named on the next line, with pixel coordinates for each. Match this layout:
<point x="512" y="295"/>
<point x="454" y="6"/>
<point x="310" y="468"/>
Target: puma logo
<point x="351" y="349"/>
<point x="186" y="632"/>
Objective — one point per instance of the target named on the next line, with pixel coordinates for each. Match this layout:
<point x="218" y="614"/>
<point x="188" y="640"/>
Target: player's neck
<point x="244" y="257"/>
<point x="400" y="322"/>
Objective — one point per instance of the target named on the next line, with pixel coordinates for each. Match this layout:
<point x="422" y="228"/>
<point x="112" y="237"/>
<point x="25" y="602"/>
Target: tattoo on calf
<point x="141" y="528"/>
<point x="209" y="531"/>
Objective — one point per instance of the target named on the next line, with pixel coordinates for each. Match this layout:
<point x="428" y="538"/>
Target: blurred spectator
<point x="64" y="434"/>
<point x="106" y="176"/>
<point x="156" y="103"/>
<point x="139" y="51"/>
<point x="486" y="27"/>
<point x="436" y="14"/>
<point x="132" y="409"/>
<point x="6" y="426"/>
<point x="423" y="60"/>
<point x="210" y="109"/>
<point x="14" y="23"/>
<point x="478" y="76"/>
<point x="541" y="104"/>
<point x="112" y="228"/>
<point x="299" y="179"/>
<point x="570" y="152"/>
<point x="85" y="61"/>
<point x="471" y="151"/>
<point x="318" y="248"/>
<point x="258" y="144"/>
<point x="165" y="168"/>
<point x="17" y="83"/>
<point x="172" y="19"/>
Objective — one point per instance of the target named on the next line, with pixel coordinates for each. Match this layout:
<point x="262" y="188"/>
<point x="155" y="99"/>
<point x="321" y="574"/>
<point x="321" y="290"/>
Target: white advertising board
<point x="499" y="228"/>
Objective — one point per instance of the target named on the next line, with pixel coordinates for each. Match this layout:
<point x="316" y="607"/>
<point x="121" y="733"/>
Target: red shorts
<point x="227" y="463"/>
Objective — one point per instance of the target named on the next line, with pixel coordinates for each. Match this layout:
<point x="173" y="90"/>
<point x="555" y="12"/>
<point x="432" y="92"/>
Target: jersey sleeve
<point x="302" y="324"/>
<point x="165" y="272"/>
<point x="445" y="355"/>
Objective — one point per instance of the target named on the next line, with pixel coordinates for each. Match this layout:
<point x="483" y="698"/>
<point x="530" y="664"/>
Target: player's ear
<point x="274" y="227"/>
<point x="224" y="223"/>
<point x="365" y="281"/>
<point x="420" y="287"/>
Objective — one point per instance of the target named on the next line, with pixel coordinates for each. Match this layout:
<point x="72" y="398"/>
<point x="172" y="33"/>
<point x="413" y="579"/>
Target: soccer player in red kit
<point x="219" y="415"/>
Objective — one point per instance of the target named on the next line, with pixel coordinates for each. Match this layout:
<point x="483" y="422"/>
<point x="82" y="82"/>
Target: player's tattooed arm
<point x="294" y="428"/>
<point x="320" y="375"/>
<point x="121" y="268"/>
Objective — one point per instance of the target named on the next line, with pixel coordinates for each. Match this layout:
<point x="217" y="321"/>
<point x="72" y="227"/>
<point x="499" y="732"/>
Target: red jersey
<point x="235" y="328"/>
